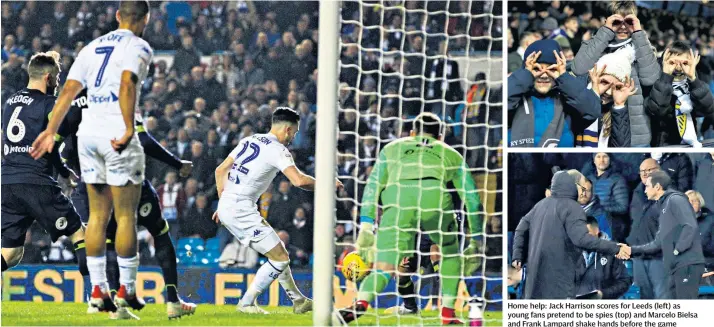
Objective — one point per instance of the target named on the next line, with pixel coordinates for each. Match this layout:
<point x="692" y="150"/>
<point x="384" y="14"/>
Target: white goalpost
<point x="328" y="54"/>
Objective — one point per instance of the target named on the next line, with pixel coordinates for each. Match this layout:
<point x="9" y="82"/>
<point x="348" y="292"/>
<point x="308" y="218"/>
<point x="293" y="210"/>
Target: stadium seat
<point x="213" y="244"/>
<point x="207" y="258"/>
<point x="193" y="244"/>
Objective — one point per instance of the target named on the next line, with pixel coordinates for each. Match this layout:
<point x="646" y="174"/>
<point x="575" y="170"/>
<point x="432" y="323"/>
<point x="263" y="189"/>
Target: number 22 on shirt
<point x="240" y="167"/>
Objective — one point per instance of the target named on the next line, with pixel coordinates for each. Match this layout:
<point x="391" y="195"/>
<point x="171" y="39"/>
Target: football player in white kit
<point x="110" y="155"/>
<point x="240" y="180"/>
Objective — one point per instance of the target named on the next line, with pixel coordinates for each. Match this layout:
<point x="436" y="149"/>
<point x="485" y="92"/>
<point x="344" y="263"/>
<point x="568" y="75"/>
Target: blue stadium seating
<point x="213" y="244"/>
<point x="194" y="244"/>
<point x="207" y="258"/>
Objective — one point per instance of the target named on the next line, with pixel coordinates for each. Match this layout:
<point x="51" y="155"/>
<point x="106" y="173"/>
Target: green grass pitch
<point x="15" y="313"/>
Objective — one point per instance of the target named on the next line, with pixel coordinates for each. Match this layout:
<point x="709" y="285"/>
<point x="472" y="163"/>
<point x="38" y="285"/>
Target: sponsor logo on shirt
<point x="16" y="149"/>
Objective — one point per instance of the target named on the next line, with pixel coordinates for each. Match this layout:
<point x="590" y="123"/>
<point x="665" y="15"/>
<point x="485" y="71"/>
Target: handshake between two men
<point x="625" y="252"/>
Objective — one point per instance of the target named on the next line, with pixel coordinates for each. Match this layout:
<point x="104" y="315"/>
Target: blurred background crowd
<point x="221" y="68"/>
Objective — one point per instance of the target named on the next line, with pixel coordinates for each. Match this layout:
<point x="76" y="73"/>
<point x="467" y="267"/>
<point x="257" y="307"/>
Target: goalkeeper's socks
<point x="166" y="256"/>
<point x="127" y="272"/>
<point x="98" y="272"/>
<point x="267" y="273"/>
<point x="288" y="283"/>
<point x="372" y="285"/>
<point x="80" y="252"/>
<point x="406" y="291"/>
<point x="4" y="264"/>
<point x="450" y="278"/>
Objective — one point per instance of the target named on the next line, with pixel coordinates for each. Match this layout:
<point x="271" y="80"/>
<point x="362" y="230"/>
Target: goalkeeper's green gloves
<point x="365" y="242"/>
<point x="472" y="257"/>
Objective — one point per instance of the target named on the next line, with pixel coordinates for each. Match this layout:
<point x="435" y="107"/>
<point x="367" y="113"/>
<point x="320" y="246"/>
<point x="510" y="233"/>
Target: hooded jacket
<point x="550" y="239"/>
<point x="678" y="235"/>
<point x="604" y="273"/>
<point x="645" y="71"/>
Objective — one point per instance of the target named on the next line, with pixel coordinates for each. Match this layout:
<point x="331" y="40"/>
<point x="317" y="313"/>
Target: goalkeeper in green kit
<point x="410" y="176"/>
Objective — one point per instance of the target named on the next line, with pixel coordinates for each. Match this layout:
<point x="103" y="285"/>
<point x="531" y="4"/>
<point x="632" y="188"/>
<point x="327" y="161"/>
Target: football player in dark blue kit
<point x="29" y="192"/>
<point x="149" y="210"/>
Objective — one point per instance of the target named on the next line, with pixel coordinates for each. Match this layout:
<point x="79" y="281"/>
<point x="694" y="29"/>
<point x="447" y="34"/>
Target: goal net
<point x="399" y="59"/>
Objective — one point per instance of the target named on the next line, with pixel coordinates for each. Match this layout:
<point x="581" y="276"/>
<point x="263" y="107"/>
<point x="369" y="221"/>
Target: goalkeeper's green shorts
<point x="409" y="207"/>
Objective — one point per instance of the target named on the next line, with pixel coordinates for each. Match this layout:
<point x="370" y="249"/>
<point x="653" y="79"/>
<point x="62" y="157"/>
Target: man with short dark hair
<point x="677" y="238"/>
<point x="601" y="272"/>
<point x="678" y="98"/>
<point x="241" y="178"/>
<point x="648" y="270"/>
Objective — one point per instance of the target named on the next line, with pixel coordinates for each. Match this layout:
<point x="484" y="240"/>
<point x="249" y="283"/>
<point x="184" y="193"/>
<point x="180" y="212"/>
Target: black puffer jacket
<point x="660" y="107"/>
<point x="549" y="241"/>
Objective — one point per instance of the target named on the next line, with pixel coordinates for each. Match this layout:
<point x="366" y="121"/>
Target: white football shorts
<point x="101" y="164"/>
<point x="247" y="225"/>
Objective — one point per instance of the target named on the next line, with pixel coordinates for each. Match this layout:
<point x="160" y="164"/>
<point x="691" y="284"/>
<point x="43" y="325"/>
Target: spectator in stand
<point x="203" y="166"/>
<point x="282" y="206"/>
<point x="187" y="57"/>
<point x="300" y="231"/>
<point x="705" y="222"/>
<point x="571" y="30"/>
<point x="545" y="104"/>
<point x="183" y="144"/>
<point x="250" y="75"/>
<point x="613" y="194"/>
<point x="443" y="73"/>
<point x="198" y="222"/>
<point x="172" y="199"/>
<point x="191" y="190"/>
<point x="14" y="76"/>
<point x="610" y="280"/>
<point x="704" y="175"/>
<point x="679" y="167"/>
<point x="158" y="36"/>
<point x="592" y="207"/>
<point x="611" y="81"/>
<point x="623" y="30"/>
<point x="648" y="271"/>
<point x="678" y="98"/>
<point x="306" y="138"/>
<point x="9" y="47"/>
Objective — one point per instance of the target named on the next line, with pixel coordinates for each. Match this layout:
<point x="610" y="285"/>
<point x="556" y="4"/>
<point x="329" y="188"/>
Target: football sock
<point x="166" y="256"/>
<point x="450" y="276"/>
<point x="98" y="272"/>
<point x="127" y="272"/>
<point x="406" y="291"/>
<point x="288" y="283"/>
<point x="112" y="269"/>
<point x="4" y="264"/>
<point x="267" y="273"/>
<point x="81" y="253"/>
<point x="373" y="284"/>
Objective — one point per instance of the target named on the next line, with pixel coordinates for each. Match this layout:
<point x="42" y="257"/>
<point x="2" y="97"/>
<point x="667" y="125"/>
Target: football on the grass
<point x="354" y="268"/>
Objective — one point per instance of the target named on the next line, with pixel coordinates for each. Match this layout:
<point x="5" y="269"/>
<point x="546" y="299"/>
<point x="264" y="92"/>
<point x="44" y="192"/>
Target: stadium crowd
<point x="222" y="67"/>
<point x="584" y="33"/>
<point x="617" y="201"/>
